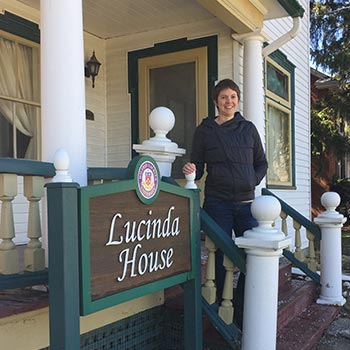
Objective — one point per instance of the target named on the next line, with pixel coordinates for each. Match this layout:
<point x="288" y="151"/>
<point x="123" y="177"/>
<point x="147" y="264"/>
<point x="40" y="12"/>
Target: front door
<point x="178" y="81"/>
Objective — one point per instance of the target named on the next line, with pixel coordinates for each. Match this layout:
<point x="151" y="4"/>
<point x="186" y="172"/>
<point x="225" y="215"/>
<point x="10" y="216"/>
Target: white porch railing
<point x="33" y="189"/>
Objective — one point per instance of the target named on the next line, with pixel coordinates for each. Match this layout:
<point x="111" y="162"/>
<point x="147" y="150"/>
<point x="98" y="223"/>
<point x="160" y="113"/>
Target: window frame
<point x="27" y="33"/>
<point x="283" y="65"/>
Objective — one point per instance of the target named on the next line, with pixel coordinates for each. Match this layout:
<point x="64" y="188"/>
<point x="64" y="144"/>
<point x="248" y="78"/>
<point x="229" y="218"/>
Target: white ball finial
<point x="265" y="210"/>
<point x="61" y="164"/>
<point x="161" y="121"/>
<point x="330" y="200"/>
<point x="61" y="159"/>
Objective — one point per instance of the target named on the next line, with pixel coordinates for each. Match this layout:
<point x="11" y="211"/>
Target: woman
<point x="230" y="148"/>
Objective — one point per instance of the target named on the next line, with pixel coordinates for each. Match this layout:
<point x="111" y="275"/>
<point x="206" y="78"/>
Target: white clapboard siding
<point x="297" y="51"/>
<point x="96" y="130"/>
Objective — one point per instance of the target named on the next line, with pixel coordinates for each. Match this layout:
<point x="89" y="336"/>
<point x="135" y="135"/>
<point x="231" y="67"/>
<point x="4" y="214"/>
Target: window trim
<point x="197" y="55"/>
<point x="282" y="108"/>
<point x="27" y="33"/>
<point x="210" y="43"/>
<point x="281" y="62"/>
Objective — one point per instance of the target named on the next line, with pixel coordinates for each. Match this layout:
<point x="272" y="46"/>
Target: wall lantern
<point x="92" y="67"/>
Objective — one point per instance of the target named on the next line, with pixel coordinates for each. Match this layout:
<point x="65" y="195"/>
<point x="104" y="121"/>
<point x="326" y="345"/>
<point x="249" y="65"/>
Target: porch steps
<point x="301" y="322"/>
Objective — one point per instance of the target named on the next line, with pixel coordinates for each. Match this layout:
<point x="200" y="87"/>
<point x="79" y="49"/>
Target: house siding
<point x="297" y="51"/>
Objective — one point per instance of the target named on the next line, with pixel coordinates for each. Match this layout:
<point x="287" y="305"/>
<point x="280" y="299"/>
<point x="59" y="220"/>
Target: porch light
<point x="92" y="67"/>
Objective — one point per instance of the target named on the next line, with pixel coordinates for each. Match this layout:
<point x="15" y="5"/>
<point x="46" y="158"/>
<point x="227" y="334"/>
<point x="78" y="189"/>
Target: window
<point x="19" y="97"/>
<point x="279" y="81"/>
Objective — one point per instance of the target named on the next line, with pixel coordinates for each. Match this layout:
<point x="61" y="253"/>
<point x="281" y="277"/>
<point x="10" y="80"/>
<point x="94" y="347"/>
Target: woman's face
<point x="227" y="102"/>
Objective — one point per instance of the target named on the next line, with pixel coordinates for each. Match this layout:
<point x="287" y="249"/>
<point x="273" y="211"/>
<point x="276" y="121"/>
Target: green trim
<point x="164" y="48"/>
<point x="302" y="266"/>
<point x="62" y="199"/>
<point x="26" y="167"/>
<point x="25" y="279"/>
<point x="293" y="7"/>
<point x="19" y="26"/>
<point x="106" y="174"/>
<point x="222" y="241"/>
<point x="230" y="332"/>
<point x="282" y="60"/>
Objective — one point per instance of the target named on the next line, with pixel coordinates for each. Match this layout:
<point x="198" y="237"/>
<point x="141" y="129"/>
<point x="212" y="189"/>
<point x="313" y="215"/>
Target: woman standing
<point x="230" y="148"/>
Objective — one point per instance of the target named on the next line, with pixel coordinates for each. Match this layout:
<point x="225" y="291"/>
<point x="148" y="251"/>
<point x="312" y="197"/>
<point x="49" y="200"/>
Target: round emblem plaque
<point x="147" y="180"/>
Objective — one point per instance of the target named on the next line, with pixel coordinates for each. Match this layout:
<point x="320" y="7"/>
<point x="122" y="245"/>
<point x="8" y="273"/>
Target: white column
<point x="253" y="83"/>
<point x="62" y="84"/>
<point x="253" y="79"/>
<point x="263" y="245"/>
<point x="330" y="223"/>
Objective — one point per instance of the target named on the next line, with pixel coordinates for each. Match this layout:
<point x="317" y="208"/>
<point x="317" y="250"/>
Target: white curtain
<point x="16" y="78"/>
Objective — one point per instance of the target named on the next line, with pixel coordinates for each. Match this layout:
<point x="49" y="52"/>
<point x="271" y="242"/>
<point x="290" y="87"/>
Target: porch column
<point x="62" y="84"/>
<point x="253" y="79"/>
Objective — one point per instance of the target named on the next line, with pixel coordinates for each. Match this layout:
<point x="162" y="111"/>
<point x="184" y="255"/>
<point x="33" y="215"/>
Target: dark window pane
<point x="277" y="82"/>
<point x="175" y="87"/>
<point x="6" y="138"/>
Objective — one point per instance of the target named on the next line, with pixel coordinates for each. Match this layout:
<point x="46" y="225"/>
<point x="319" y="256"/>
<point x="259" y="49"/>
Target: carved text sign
<point x="132" y="244"/>
<point x="135" y="237"/>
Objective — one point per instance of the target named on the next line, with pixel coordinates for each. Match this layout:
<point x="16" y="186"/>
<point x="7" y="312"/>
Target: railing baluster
<point x="284" y="228"/>
<point x="34" y="254"/>
<point x="209" y="288"/>
<point x="226" y="308"/>
<point x="311" y="259"/>
<point x="8" y="254"/>
<point x="298" y="252"/>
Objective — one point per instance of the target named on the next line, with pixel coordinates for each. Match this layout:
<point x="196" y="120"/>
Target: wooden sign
<point x="135" y="237"/>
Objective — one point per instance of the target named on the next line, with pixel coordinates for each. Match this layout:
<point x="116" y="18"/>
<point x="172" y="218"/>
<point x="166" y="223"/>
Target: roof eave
<point x="293" y="8"/>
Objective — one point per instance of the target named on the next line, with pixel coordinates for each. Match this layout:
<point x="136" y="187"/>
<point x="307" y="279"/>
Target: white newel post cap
<point x="330" y="201"/>
<point x="190" y="184"/>
<point x="61" y="164"/>
<point x="159" y="147"/>
<point x="265" y="209"/>
<point x="161" y="121"/>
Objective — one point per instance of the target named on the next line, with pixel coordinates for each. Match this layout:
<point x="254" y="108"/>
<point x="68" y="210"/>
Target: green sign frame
<point x="148" y="195"/>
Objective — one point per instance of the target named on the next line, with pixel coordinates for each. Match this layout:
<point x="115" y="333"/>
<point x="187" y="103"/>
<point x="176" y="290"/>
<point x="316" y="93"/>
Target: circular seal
<point x="147" y="179"/>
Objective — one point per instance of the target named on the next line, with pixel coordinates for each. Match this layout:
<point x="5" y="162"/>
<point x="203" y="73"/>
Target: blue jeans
<point x="237" y="217"/>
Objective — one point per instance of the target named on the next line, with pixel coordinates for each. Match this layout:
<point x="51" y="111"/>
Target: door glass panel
<point x="174" y="87"/>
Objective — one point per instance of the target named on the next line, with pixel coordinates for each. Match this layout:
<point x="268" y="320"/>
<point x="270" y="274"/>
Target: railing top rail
<point x="25" y="167"/>
<point x="96" y="173"/>
<point x="309" y="225"/>
<point x="222" y="241"/>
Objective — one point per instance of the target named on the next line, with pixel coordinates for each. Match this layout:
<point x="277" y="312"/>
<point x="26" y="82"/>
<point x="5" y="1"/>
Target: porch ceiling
<point x="111" y="18"/>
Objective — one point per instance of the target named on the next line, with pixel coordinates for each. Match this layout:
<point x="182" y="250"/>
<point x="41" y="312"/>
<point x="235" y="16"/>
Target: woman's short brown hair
<point x="225" y="84"/>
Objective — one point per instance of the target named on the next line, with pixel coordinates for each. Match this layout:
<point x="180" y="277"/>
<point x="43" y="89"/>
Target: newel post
<point x="263" y="245"/>
<point x="330" y="223"/>
<point x="64" y="312"/>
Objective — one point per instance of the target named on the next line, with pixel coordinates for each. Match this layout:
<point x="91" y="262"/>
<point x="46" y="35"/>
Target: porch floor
<point x="17" y="301"/>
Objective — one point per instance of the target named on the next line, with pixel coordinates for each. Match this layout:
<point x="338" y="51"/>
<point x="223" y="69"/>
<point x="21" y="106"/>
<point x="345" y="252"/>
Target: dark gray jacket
<point x="234" y="158"/>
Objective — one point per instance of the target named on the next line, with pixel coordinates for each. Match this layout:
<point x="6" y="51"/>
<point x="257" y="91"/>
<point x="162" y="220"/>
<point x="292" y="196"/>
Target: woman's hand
<point x="189" y="168"/>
